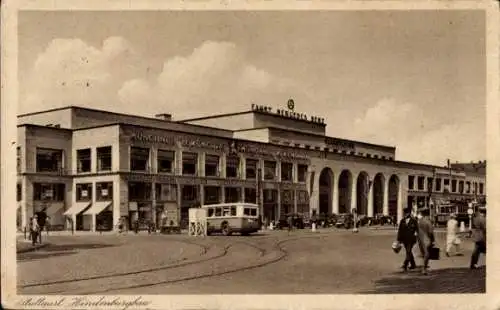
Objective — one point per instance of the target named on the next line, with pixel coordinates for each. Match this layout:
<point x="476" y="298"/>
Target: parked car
<point x="344" y="220"/>
<point x="297" y="221"/>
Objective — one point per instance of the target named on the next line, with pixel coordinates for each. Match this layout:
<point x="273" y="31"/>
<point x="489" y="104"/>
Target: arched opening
<point x="345" y="189"/>
<point x="362" y="188"/>
<point x="378" y="194"/>
<point x="393" y="195"/>
<point x="325" y="191"/>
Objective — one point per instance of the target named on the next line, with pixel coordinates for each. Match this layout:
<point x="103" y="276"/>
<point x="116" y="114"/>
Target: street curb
<point x="32" y="248"/>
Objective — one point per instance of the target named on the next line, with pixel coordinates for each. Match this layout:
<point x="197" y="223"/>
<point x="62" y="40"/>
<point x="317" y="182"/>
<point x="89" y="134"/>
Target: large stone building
<point x="91" y="167"/>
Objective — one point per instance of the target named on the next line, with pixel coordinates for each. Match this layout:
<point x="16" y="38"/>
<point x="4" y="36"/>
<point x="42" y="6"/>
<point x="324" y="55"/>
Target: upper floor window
<point x="84" y="192"/>
<point x="189" y="163"/>
<point x="104" y="191"/>
<point x="212" y="165"/>
<point x="48" y="160"/>
<point x="467" y="187"/>
<point x="166" y="192"/>
<point x="461" y="187"/>
<point x="165" y="161"/>
<point x="420" y="183"/>
<point x="48" y="191"/>
<point x="104" y="158"/>
<point x="453" y="186"/>
<point x="411" y="182"/>
<point x="481" y="188"/>
<point x="18" y="159"/>
<point x="232" y="166"/>
<point x="430" y="183"/>
<point x="251" y="168"/>
<point x="139" y="159"/>
<point x="269" y="170"/>
<point x="286" y="172"/>
<point x="438" y="185"/>
<point x="302" y="173"/>
<point x="83" y="160"/>
<point x="19" y="192"/>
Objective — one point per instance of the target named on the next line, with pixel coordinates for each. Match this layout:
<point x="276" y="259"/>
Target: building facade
<point x="89" y="168"/>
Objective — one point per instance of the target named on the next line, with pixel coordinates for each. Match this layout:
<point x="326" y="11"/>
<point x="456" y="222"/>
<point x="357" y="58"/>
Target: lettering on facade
<point x="339" y="143"/>
<point x="139" y="136"/>
<point x="288" y="114"/>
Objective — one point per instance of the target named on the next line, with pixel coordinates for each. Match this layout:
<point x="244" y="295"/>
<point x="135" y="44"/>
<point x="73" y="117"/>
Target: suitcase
<point x="434" y="253"/>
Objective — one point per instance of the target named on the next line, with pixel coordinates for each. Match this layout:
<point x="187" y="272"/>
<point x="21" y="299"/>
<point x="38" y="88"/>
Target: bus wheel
<point x="226" y="230"/>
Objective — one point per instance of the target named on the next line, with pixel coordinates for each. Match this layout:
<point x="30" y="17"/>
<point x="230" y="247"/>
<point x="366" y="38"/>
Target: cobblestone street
<point x="326" y="262"/>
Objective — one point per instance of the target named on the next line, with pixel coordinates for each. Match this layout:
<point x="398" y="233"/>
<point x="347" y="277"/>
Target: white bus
<point x="228" y="218"/>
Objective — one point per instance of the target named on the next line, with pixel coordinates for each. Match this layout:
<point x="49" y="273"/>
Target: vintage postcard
<point x="250" y="154"/>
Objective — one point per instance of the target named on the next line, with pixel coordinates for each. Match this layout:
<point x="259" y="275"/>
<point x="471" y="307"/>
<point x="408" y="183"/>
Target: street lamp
<point x="470" y="211"/>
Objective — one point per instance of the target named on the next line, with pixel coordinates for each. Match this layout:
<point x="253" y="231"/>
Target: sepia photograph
<point x="247" y="152"/>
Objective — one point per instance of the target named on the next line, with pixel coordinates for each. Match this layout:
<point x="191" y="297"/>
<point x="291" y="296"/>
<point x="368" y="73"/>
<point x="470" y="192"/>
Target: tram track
<point x="53" y="287"/>
<point x="278" y="246"/>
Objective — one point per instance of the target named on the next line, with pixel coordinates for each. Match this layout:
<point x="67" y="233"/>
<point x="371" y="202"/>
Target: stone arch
<point x="344" y="191"/>
<point x="325" y="191"/>
<point x="378" y="193"/>
<point x="393" y="195"/>
<point x="362" y="190"/>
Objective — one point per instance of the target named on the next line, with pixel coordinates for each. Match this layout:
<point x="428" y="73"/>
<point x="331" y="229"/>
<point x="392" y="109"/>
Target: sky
<point x="411" y="79"/>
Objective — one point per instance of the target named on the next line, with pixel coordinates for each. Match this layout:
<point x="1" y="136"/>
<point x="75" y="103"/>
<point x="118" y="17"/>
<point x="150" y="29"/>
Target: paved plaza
<point x="329" y="261"/>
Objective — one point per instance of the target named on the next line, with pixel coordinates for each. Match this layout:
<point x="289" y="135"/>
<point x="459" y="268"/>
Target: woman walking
<point x="452" y="239"/>
<point x="425" y="237"/>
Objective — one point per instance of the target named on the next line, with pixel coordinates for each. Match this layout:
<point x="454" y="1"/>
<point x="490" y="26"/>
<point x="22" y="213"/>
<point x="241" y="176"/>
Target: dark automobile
<point x="344" y="220"/>
<point x="297" y="222"/>
<point x="380" y="219"/>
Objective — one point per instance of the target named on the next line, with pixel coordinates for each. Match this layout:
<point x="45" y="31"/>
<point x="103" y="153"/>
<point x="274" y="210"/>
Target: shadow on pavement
<point x="76" y="246"/>
<point x="439" y="281"/>
<point x="37" y="255"/>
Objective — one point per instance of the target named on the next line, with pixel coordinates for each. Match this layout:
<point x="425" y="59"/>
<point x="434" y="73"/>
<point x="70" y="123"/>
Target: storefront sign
<point x="201" y="143"/>
<point x="139" y="136"/>
<point x="288" y="114"/>
<point x="258" y="150"/>
<point x="339" y="143"/>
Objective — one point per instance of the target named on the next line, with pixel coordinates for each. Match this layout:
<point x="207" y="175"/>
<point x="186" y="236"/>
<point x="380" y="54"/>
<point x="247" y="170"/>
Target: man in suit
<point x="42" y="221"/>
<point x="479" y="234"/>
<point x="407" y="235"/>
<point x="425" y="236"/>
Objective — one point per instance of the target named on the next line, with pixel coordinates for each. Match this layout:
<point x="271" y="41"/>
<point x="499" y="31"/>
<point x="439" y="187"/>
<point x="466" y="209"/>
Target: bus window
<point x="233" y="211"/>
<point x="210" y="212"/>
<point x="227" y="211"/>
<point x="246" y="211"/>
<point x="218" y="211"/>
<point x="253" y="212"/>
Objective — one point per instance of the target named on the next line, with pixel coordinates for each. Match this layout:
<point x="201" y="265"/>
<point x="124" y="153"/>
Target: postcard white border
<point x="8" y="114"/>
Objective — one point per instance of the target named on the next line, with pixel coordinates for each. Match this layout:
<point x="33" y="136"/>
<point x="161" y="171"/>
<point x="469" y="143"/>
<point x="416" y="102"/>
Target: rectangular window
<point x="218" y="211"/>
<point x="232" y="166"/>
<point x="286" y="172"/>
<point x="302" y="173"/>
<point x="104" y="191"/>
<point x="18" y="159"/>
<point x="49" y="160"/>
<point x="189" y="193"/>
<point x="139" y="191"/>
<point x="251" y="169"/>
<point x="210" y="212"/>
<point x="212" y="194"/>
<point x="232" y="194"/>
<point x="48" y="191"/>
<point x="468" y="188"/>
<point x="438" y="185"/>
<point x="165" y="161"/>
<point x="481" y="188"/>
<point x="83" y="158"/>
<point x="420" y="184"/>
<point x="84" y="192"/>
<point x="250" y="195"/>
<point x="189" y="163"/>
<point x="233" y="211"/>
<point x="461" y="187"/>
<point x="19" y="192"/>
<point x="166" y="192"/>
<point x="212" y="165"/>
<point x="411" y="182"/>
<point x="104" y="158"/>
<point x="453" y="186"/>
<point x="269" y="170"/>
<point x="430" y="183"/>
<point x="139" y="159"/>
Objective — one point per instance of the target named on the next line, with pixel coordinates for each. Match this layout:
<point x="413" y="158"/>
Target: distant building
<point x="91" y="167"/>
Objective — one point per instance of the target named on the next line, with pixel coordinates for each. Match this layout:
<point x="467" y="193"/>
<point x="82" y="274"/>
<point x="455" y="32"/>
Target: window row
<point x="103" y="190"/>
<point x="438" y="185"/>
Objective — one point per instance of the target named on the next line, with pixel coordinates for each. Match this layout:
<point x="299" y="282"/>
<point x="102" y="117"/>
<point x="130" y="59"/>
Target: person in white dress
<point x="452" y="239"/>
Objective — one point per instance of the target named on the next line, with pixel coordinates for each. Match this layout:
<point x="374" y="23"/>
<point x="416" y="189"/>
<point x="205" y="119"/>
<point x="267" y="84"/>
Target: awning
<point x="77" y="208"/>
<point x="53" y="208"/>
<point x="98" y="207"/>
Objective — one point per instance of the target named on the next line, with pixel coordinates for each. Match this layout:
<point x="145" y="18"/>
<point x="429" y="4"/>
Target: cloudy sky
<point x="414" y="80"/>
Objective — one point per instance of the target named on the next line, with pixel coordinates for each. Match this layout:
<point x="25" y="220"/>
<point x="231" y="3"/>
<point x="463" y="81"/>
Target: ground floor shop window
<point x="212" y="194"/>
<point x="232" y="194"/>
<point x="251" y="195"/>
<point x="104" y="221"/>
